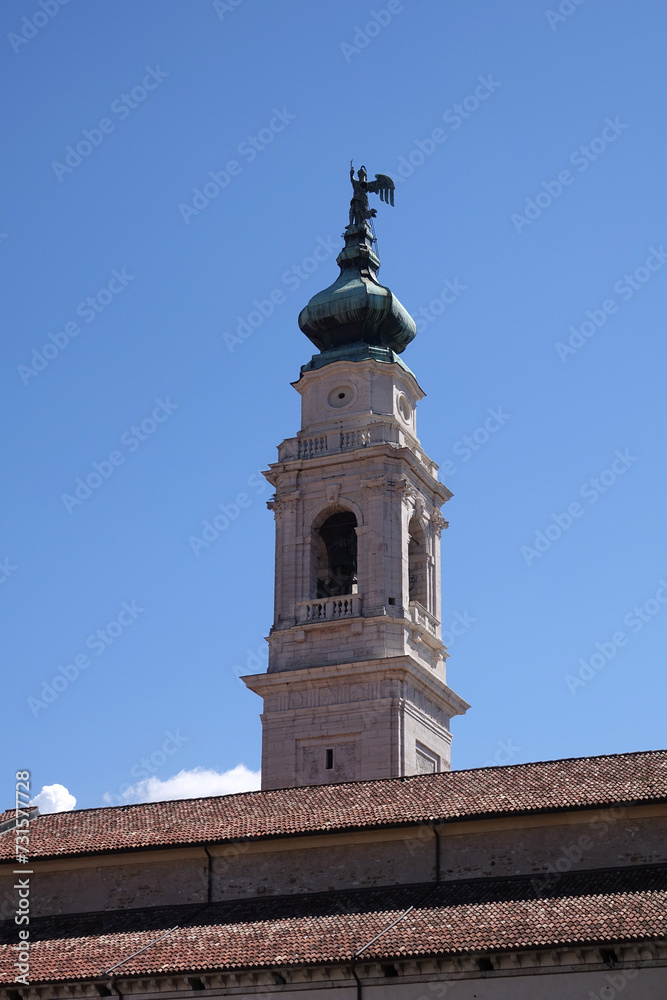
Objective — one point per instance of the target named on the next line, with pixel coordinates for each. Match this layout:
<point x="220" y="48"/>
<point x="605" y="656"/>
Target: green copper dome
<point x="356" y="317"/>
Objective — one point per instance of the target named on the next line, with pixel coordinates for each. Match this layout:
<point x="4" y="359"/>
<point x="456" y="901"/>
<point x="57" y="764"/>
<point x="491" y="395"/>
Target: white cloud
<point x="197" y="783"/>
<point x="54" y="799"/>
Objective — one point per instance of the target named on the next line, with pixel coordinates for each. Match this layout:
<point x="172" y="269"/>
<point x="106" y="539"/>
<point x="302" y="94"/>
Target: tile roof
<point x="8" y="817"/>
<point x="546" y="786"/>
<point x="450" y="918"/>
<point x="7" y="820"/>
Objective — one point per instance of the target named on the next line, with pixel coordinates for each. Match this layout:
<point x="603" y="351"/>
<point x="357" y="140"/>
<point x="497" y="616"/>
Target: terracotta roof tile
<point x="522" y="788"/>
<point x="474" y="916"/>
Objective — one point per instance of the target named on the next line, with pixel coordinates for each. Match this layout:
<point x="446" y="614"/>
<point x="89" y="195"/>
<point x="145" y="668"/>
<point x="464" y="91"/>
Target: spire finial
<point x="356" y="317"/>
<point x="361" y="188"/>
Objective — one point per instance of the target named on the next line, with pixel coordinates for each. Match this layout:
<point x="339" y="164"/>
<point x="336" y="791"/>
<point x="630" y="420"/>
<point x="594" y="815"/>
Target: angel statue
<point x="382" y="185"/>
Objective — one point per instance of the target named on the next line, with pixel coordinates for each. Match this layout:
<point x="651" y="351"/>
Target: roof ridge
<point x="403" y="779"/>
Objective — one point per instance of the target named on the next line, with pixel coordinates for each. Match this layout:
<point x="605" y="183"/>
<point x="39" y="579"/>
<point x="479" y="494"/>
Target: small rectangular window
<point x="392" y="600"/>
<point x="329" y="760"/>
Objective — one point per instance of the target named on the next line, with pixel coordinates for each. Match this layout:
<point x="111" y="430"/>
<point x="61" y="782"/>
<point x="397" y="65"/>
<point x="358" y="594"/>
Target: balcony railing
<point x="329" y="609"/>
<point x="354" y="439"/>
<point x="421" y="616"/>
<point x="310" y="447"/>
<point x="338" y="441"/>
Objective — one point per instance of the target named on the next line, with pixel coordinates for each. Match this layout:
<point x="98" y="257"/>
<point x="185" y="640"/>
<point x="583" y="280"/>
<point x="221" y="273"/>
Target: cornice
<point x="400" y="971"/>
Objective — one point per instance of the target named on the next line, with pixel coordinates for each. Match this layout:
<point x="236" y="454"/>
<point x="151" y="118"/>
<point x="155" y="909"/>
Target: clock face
<point x="340" y="396"/>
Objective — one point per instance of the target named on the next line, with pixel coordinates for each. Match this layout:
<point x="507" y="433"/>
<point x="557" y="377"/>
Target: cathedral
<point x="364" y="867"/>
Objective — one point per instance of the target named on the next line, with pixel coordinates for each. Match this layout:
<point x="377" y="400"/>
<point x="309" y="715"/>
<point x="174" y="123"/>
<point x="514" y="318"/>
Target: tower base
<point x="354" y="721"/>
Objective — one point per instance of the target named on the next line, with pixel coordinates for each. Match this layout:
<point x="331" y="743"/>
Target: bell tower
<point x="356" y="684"/>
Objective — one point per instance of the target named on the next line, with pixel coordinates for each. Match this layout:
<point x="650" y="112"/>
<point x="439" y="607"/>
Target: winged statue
<point x="361" y="188"/>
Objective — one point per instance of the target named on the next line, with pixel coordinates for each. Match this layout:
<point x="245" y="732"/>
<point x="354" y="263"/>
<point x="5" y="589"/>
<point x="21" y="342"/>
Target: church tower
<point x="356" y="684"/>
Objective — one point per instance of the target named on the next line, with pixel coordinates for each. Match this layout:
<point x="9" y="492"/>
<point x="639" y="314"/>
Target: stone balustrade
<point x="354" y="439"/>
<point x="327" y="609"/>
<point x="311" y="446"/>
<point x="424" y="618"/>
<point x="314" y="445"/>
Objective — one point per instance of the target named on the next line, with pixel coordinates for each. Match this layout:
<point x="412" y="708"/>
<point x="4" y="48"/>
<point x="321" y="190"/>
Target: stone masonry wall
<point x="603" y="838"/>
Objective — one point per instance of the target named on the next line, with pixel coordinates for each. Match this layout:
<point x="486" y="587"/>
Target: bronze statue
<point x="361" y="188"/>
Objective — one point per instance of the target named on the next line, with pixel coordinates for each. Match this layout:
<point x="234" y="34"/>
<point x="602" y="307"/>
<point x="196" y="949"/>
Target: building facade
<point x="365" y="867"/>
<point x="535" y="881"/>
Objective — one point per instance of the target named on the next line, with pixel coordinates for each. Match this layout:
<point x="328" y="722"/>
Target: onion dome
<point x="356" y="317"/>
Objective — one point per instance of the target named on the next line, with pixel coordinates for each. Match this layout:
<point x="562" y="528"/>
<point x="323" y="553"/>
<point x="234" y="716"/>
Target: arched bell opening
<point x="336" y="554"/>
<point x="417" y="563"/>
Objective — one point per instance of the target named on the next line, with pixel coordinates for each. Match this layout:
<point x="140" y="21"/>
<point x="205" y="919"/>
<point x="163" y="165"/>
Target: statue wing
<point x="384" y="186"/>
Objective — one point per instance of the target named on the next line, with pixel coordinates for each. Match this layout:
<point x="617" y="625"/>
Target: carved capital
<point x="439" y="523"/>
<point x="406" y="491"/>
<point x="284" y="504"/>
<point x="375" y="487"/>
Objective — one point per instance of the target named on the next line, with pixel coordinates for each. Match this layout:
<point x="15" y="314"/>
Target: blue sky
<point x="527" y="142"/>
